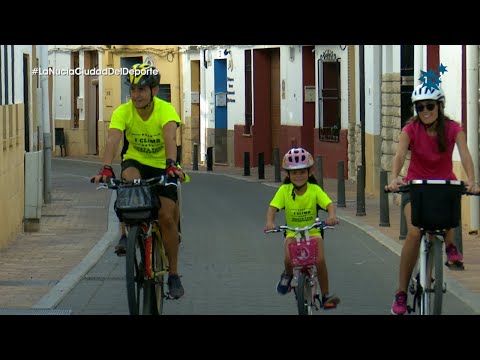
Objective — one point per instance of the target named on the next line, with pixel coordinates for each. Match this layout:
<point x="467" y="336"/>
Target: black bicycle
<point x="137" y="206"/>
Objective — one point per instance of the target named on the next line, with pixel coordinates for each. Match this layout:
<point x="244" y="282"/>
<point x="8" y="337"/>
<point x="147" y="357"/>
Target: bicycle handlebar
<point x="114" y="184"/>
<point x="406" y="188"/>
<point x="316" y="225"/>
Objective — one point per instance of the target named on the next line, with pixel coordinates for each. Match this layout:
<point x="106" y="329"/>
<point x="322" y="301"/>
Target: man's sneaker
<point x="121" y="248"/>
<point x="175" y="288"/>
<point x="399" y="306"/>
<point x="330" y="301"/>
<point x="283" y="286"/>
<point x="453" y="255"/>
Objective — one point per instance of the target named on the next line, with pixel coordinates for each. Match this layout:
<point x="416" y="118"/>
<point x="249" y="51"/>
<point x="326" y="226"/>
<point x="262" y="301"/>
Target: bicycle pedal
<point x="456" y="266"/>
<point x="120" y="253"/>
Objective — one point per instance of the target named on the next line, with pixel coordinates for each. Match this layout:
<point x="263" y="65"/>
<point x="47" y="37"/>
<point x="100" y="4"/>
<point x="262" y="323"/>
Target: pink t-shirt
<point x="426" y="161"/>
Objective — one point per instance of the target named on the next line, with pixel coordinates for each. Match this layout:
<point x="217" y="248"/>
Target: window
<point x="248" y="92"/>
<point x="329" y="101"/>
<point x="164" y="92"/>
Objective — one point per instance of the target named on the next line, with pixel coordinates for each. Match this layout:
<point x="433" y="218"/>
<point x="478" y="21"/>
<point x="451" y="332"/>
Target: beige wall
<point x="12" y="203"/>
<point x="168" y="65"/>
<point x="76" y="142"/>
<point x="372" y="163"/>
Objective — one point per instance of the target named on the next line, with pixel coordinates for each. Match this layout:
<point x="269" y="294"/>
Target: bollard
<point x="210" y="158"/>
<point x="384" y="209"/>
<point x="246" y="164"/>
<point x="403" y="223"/>
<point x="179" y="154"/>
<point x="319" y="171"/>
<point x="360" y="191"/>
<point x="458" y="238"/>
<point x="261" y="166"/>
<point x="195" y="156"/>
<point x="276" y="163"/>
<point x="340" y="185"/>
<point x="458" y="235"/>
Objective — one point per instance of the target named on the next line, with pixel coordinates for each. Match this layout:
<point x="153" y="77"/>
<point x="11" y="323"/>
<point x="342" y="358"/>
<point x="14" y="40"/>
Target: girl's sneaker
<point x="283" y="286"/>
<point x="330" y="301"/>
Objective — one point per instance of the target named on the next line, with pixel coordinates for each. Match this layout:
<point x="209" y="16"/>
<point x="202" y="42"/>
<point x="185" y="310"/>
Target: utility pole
<point x="362" y="105"/>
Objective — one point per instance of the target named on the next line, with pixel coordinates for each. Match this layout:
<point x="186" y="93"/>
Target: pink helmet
<point x="297" y="158"/>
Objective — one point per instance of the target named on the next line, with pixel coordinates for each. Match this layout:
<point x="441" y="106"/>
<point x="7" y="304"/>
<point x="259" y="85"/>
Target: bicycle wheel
<point x="138" y="293"/>
<point x="427" y="273"/>
<point x="415" y="289"/>
<point x="304" y="294"/>
<point x="157" y="293"/>
<point x="437" y="293"/>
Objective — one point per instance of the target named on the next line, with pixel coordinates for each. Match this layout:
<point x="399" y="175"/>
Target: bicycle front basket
<point x="303" y="253"/>
<point x="136" y="203"/>
<point x="436" y="204"/>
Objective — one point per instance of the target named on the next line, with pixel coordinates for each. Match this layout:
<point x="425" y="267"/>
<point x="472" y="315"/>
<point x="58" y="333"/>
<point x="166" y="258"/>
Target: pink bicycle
<point x="303" y="254"/>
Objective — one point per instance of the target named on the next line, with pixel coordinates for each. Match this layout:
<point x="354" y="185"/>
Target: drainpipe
<point x="361" y="54"/>
<point x="472" y="125"/>
<point x="418" y="63"/>
<point x="47" y="144"/>
<point x="204" y="105"/>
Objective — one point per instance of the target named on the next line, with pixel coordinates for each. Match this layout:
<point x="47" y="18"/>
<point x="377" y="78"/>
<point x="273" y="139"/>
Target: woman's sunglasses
<point x="421" y="107"/>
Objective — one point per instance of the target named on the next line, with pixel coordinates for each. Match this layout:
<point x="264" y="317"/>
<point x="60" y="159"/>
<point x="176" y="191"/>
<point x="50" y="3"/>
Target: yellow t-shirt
<point x="146" y="140"/>
<point x="303" y="210"/>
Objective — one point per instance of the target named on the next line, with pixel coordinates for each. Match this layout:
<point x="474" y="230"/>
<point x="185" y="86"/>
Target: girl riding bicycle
<point x="300" y="197"/>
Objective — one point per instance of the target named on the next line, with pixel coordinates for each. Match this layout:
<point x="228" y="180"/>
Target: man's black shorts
<point x="147" y="172"/>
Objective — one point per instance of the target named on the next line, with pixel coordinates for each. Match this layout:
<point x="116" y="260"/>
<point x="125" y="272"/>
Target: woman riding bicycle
<point x="300" y="196"/>
<point x="431" y="137"/>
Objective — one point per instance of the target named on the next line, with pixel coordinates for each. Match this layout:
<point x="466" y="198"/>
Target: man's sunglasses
<point x="421" y="107"/>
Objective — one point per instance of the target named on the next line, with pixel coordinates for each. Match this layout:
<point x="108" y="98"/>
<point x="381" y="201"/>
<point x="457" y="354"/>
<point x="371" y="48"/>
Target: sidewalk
<point x="37" y="265"/>
<point x="71" y="226"/>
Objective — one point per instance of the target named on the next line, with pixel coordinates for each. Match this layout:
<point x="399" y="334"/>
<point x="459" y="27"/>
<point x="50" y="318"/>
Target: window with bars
<point x="329" y="101"/>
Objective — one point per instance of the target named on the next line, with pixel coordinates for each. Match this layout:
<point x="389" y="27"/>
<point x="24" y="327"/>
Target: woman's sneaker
<point x="399" y="306"/>
<point x="453" y="255"/>
<point x="283" y="286"/>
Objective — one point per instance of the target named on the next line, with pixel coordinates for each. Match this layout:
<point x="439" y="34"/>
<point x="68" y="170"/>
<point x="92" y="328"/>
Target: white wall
<point x="373" y="82"/>
<point x="291" y="107"/>
<point x="62" y="85"/>
<point x="290" y="73"/>
<point x="236" y="71"/>
<point x="187" y="83"/>
<point x="59" y="57"/>
<point x="451" y="57"/>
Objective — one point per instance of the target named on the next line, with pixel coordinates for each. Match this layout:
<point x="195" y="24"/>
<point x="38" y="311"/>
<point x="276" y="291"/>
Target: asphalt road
<point x="230" y="267"/>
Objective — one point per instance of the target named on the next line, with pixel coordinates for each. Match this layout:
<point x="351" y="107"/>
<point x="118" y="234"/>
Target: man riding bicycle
<point x="150" y="126"/>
